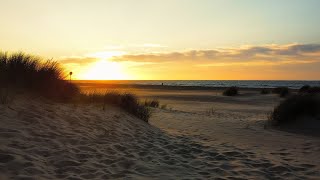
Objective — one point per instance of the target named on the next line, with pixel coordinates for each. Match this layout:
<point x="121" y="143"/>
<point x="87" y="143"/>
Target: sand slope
<point x="44" y="140"/>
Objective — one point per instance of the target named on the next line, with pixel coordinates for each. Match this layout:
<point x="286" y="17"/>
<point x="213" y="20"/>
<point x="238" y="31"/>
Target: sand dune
<point x="45" y="140"/>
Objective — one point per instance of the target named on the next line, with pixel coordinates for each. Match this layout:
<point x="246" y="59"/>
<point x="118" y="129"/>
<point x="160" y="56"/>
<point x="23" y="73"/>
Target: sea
<point x="221" y="83"/>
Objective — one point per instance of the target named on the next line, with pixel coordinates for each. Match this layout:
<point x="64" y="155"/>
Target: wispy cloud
<point x="277" y="54"/>
<point x="150" y="45"/>
<point x="77" y="60"/>
<point x="105" y="54"/>
<point x="255" y="63"/>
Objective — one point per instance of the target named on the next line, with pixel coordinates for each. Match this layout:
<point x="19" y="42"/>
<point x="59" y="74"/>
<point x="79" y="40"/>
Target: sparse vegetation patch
<point x="128" y="102"/>
<point x="309" y="89"/>
<point x="294" y="107"/>
<point x="231" y="91"/>
<point x="265" y="91"/>
<point x="282" y="91"/>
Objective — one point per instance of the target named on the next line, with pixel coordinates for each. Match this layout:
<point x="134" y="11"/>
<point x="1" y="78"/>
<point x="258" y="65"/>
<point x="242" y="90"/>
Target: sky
<point x="168" y="39"/>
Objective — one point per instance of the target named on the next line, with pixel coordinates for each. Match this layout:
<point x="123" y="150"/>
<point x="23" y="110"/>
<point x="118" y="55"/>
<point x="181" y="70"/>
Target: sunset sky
<point x="169" y="39"/>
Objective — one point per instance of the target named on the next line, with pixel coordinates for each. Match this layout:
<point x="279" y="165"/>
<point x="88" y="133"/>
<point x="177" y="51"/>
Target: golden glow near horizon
<point x="104" y="70"/>
<point x="290" y="61"/>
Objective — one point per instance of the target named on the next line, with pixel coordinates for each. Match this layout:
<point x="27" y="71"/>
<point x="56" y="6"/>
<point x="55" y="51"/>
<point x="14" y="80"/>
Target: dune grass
<point x="231" y="91"/>
<point x="282" y="91"/>
<point x="31" y="73"/>
<point x="163" y="106"/>
<point x="152" y="103"/>
<point x="294" y="107"/>
<point x="210" y="111"/>
<point x="47" y="78"/>
<point x="127" y="101"/>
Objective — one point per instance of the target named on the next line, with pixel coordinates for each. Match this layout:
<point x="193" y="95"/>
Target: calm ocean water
<point x="222" y="83"/>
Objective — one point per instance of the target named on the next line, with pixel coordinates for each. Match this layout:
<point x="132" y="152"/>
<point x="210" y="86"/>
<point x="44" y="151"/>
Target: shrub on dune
<point x="304" y="89"/>
<point x="231" y="91"/>
<point x="282" y="91"/>
<point x="309" y="89"/>
<point x="294" y="107"/>
<point x="130" y="103"/>
<point x="315" y="89"/>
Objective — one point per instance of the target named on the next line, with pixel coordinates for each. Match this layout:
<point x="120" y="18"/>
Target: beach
<point x="196" y="133"/>
<point x="160" y="90"/>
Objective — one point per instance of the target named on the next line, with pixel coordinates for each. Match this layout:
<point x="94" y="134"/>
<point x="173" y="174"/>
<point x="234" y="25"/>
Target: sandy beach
<point x="200" y="134"/>
<point x="159" y="90"/>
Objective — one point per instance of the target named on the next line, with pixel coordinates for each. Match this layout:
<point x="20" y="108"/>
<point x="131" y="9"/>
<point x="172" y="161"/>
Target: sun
<point x="105" y="70"/>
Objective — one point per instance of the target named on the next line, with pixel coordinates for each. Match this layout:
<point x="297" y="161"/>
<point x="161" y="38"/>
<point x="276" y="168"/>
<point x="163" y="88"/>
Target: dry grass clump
<point x="19" y="70"/>
<point x="128" y="102"/>
<point x="152" y="103"/>
<point x="300" y="105"/>
<point x="211" y="111"/>
<point x="309" y="89"/>
<point x="282" y="91"/>
<point x="231" y="91"/>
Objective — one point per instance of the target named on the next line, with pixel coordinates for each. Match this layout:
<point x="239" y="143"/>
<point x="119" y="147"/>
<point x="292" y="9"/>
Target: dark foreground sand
<point x="199" y="135"/>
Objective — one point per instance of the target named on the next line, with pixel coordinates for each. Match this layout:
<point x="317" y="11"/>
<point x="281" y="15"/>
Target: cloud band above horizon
<point x="247" y="53"/>
<point x="291" y="61"/>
